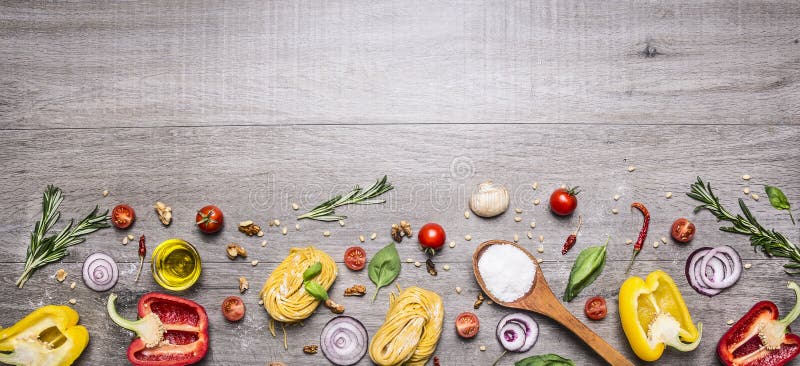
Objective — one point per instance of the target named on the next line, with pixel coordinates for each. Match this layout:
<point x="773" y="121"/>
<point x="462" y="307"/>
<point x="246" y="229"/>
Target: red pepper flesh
<point x="746" y="344"/>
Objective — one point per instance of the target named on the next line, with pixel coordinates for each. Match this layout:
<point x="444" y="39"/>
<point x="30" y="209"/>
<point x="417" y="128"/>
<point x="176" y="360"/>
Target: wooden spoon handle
<point x="560" y="314"/>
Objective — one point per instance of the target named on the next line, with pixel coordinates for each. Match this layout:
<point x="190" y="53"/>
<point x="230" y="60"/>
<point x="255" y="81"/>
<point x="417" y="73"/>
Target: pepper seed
<point x="535" y="185"/>
<point x="446" y="267"/>
<point x="417" y="264"/>
<point x="361" y="238"/>
<point x="326" y="233"/>
<point x="614" y="211"/>
<point x="746" y="190"/>
<point x="295" y="206"/>
<point x="746" y="177"/>
<point x="668" y="195"/>
<point x="631" y="168"/>
<point x="755" y="196"/>
<point x="467" y="237"/>
<point x="536" y="202"/>
<point x="517" y="219"/>
<point x="747" y="265"/>
<point x="616" y="197"/>
<point x="452" y="244"/>
<point x="458" y="290"/>
<point x="373" y="236"/>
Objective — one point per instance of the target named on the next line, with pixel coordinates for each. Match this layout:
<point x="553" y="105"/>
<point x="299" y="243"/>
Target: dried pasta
<point x="411" y="330"/>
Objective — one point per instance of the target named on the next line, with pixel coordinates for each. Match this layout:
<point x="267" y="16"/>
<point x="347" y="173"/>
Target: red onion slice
<point x="344" y="341"/>
<point x="694" y="272"/>
<point x="100" y="272"/>
<point x="517" y="332"/>
<point x="710" y="270"/>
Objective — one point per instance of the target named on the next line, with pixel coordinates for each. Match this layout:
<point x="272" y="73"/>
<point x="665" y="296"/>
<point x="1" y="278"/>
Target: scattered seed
<point x="373" y="236"/>
<point x="617" y="197"/>
<point x="105" y="193"/>
<point x="341" y="222"/>
<point x="409" y="260"/>
<point x="533" y="224"/>
<point x="458" y="290"/>
<point x="489" y="302"/>
<point x="61" y="275"/>
<point x="539" y="260"/>
<point x="254" y="263"/>
<point x="261" y="233"/>
<point x="631" y="168"/>
<point x="482" y="348"/>
<point x="746" y="190"/>
<point x="629" y="241"/>
<point x="747" y="265"/>
<point x="517" y="219"/>
<point x="563" y="186"/>
<point x="417" y="264"/>
<point x="516" y="238"/>
<point x="746" y="177"/>
<point x="518" y="210"/>
<point x="664" y="239"/>
<point x="614" y="211"/>
<point x="263" y="243"/>
<point x="72" y="285"/>
<point x="466" y="214"/>
<point x="130" y="237"/>
<point x="467" y="237"/>
<point x="446" y="267"/>
<point x="285" y="231"/>
<point x="755" y="196"/>
<point x="297" y="227"/>
<point x="541" y="238"/>
<point x="540" y="249"/>
<point x="656" y="244"/>
<point x="530" y="235"/>
<point x="125" y="241"/>
<point x="668" y="195"/>
<point x="260" y="302"/>
<point x="361" y="238"/>
<point x="73" y="301"/>
<point x="535" y="185"/>
<point x="452" y="244"/>
<point x="326" y="233"/>
<point x="295" y="206"/>
<point x="730" y="322"/>
<point x="536" y="201"/>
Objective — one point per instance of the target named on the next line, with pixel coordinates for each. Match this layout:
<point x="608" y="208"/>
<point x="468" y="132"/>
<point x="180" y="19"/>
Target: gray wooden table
<point x="254" y="105"/>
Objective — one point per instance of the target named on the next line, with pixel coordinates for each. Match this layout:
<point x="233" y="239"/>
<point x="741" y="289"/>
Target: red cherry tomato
<point x="355" y="258"/>
<point x="564" y="201"/>
<point x="467" y="324"/>
<point x="209" y="219"/>
<point x="122" y="216"/>
<point x="233" y="308"/>
<point x="683" y="230"/>
<point x="431" y="236"/>
<point x="595" y="308"/>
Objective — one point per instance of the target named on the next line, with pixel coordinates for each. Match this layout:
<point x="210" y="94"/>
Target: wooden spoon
<point x="540" y="299"/>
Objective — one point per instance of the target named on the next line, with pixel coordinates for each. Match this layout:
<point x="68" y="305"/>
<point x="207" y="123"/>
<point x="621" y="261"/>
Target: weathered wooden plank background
<point x="255" y="105"/>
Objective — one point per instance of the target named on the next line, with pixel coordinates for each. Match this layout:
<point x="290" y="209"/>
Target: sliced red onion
<point x="344" y="341"/>
<point x="517" y="332"/>
<point x="710" y="270"/>
<point x="100" y="272"/>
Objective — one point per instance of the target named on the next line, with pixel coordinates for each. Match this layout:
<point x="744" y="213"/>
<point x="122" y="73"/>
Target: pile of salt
<point x="507" y="271"/>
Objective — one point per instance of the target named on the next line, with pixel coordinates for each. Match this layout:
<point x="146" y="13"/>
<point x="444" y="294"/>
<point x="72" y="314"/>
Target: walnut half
<point x="164" y="213"/>
<point x="235" y="250"/>
<point x="243" y="285"/>
<point x="356" y="290"/>
<point x="310" y="349"/>
<point x="249" y="227"/>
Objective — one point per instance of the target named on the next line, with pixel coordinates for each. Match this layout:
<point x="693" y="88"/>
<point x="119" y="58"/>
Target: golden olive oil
<point x="176" y="265"/>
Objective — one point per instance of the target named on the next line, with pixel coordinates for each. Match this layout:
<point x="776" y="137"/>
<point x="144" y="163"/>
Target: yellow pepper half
<point x="49" y="336"/>
<point x="653" y="316"/>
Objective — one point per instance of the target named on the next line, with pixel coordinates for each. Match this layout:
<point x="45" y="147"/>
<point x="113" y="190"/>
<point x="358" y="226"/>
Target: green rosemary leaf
<point x="326" y="211"/>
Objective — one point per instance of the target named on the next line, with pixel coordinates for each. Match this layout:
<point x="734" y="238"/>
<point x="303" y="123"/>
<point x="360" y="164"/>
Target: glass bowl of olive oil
<point x="176" y="264"/>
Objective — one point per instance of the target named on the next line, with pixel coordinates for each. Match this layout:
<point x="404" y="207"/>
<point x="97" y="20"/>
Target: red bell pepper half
<point x="759" y="338"/>
<point x="171" y="330"/>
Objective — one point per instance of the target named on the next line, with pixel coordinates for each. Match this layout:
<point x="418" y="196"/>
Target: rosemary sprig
<point x="41" y="250"/>
<point x="771" y="242"/>
<point x="325" y="211"/>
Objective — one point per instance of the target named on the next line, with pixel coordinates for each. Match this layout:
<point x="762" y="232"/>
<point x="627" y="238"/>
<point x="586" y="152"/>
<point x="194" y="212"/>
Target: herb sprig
<point x="325" y="211"/>
<point x="771" y="242"/>
<point x="41" y="250"/>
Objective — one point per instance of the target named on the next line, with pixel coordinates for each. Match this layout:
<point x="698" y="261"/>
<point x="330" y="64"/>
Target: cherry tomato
<point x="233" y="308"/>
<point x="683" y="230"/>
<point x="209" y="219"/>
<point x="564" y="201"/>
<point x="122" y="216"/>
<point x="431" y="236"/>
<point x="595" y="308"/>
<point x="355" y="258"/>
<point x="467" y="324"/>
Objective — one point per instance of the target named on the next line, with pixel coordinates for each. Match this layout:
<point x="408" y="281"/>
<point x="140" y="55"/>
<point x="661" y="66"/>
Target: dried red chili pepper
<point x="759" y="338"/>
<point x="170" y="331"/>
<point x="142" y="253"/>
<point x="572" y="238"/>
<point x="436" y="361"/>
<point x="642" y="233"/>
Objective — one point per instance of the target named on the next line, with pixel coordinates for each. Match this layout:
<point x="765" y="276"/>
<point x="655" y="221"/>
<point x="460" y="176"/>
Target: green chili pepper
<point x="316" y="290"/>
<point x="312" y="271"/>
<point x="587" y="267"/>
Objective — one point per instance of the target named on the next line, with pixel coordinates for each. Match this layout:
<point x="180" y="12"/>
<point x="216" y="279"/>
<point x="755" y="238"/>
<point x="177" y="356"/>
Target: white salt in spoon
<point x="540" y="299"/>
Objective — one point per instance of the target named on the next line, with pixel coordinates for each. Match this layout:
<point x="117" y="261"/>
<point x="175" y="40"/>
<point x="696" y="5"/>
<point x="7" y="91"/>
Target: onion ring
<point x="100" y="272"/>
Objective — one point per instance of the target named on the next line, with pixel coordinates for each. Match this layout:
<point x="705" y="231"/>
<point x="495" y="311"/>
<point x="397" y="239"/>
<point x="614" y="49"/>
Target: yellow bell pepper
<point x="653" y="316"/>
<point x="49" y="336"/>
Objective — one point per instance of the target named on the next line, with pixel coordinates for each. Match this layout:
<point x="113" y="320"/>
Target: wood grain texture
<point x="111" y="63"/>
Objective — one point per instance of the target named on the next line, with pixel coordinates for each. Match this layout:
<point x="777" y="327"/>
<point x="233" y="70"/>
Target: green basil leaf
<point x="587" y="267"/>
<point x="549" y="359"/>
<point x="778" y="200"/>
<point x="384" y="267"/>
<point x="312" y="271"/>
<point x="315" y="289"/>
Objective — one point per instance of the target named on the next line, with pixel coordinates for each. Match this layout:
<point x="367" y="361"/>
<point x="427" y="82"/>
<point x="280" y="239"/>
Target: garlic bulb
<point x="489" y="200"/>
